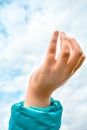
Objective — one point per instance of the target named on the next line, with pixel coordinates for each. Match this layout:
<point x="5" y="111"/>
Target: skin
<point x="54" y="72"/>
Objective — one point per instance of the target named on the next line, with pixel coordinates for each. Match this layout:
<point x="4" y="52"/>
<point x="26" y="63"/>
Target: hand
<point x="55" y="72"/>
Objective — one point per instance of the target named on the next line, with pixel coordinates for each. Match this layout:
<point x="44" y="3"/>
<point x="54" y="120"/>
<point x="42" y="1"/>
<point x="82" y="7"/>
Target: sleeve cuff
<point x="36" y="117"/>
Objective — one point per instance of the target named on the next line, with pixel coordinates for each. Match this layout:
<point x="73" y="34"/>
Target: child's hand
<point x="54" y="72"/>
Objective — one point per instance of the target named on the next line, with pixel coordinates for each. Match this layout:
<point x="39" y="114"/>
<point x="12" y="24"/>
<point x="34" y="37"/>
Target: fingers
<point x="65" y="48"/>
<point x="52" y="47"/>
<point x="79" y="64"/>
<point x="75" y="57"/>
<point x="71" y="56"/>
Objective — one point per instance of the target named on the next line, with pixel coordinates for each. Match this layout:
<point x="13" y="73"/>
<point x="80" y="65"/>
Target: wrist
<point x="33" y="98"/>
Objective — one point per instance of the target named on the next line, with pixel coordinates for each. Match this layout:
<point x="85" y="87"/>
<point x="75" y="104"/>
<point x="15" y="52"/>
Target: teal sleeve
<point x="36" y="118"/>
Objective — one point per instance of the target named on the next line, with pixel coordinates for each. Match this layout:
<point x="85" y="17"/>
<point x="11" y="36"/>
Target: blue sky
<point x="25" y="30"/>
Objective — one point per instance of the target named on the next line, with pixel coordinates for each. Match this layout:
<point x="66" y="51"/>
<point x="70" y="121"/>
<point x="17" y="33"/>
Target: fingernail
<point x="63" y="33"/>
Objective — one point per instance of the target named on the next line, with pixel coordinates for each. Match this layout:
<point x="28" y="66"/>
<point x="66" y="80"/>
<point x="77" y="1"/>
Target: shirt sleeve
<point x="48" y="118"/>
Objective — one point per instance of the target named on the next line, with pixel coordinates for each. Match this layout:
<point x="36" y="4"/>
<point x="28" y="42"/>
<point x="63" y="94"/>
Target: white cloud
<point x="26" y="44"/>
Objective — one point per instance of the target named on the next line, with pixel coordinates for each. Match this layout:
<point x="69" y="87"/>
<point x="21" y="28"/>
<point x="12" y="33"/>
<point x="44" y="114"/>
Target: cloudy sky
<point x="25" y="30"/>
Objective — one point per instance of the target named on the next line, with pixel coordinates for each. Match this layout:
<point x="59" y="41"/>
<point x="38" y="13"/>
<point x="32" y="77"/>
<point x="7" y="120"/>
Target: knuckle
<point x="73" y="39"/>
<point x="66" y="53"/>
<point x="52" y="50"/>
<point x="53" y="40"/>
<point x="63" y="37"/>
<point x="79" y="53"/>
<point x="83" y="57"/>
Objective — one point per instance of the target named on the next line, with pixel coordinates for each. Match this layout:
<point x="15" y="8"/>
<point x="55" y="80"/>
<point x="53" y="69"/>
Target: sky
<point x="26" y="27"/>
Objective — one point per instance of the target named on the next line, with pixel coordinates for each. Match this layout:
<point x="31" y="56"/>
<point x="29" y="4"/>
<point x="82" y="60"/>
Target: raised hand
<point x="54" y="72"/>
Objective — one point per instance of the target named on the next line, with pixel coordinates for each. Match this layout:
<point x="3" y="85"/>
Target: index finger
<point x="51" y="52"/>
